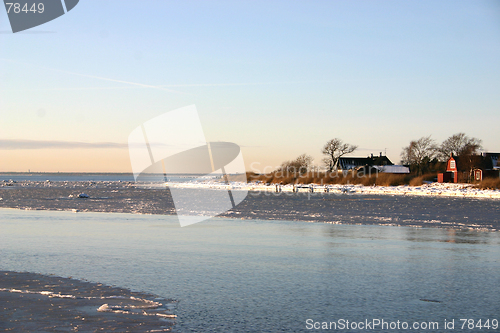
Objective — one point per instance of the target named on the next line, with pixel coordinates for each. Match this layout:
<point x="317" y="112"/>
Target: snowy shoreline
<point x="339" y="204"/>
<point x="432" y="189"/>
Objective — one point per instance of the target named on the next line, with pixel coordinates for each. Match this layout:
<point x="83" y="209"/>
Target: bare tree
<point x="459" y="145"/>
<point x="419" y="153"/>
<point x="334" y="150"/>
<point x="466" y="149"/>
<point x="300" y="165"/>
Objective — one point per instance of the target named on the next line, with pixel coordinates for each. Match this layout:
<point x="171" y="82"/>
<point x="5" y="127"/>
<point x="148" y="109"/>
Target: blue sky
<point x="279" y="78"/>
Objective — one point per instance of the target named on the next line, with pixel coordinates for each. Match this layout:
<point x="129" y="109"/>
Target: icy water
<point x="85" y="177"/>
<point x="233" y="275"/>
<point x="337" y="208"/>
<point x="67" y="177"/>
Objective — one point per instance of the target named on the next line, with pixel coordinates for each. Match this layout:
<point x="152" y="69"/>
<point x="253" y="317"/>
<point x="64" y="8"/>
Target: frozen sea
<point x="234" y="275"/>
<point x="276" y="263"/>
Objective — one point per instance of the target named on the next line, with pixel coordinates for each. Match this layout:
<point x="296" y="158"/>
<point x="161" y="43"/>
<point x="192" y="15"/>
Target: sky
<point x="278" y="78"/>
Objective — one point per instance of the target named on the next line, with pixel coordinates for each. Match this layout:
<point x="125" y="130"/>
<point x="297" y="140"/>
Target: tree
<point x="300" y="165"/>
<point x="459" y="145"/>
<point x="334" y="150"/>
<point x="466" y="149"/>
<point x="419" y="153"/>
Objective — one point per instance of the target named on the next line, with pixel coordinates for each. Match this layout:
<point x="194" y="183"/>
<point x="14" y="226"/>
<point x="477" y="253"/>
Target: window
<point x="452" y="164"/>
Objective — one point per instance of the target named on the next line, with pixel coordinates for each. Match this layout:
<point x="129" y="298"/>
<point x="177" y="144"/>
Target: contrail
<point x="120" y="81"/>
<point x="99" y="77"/>
<point x="230" y="84"/>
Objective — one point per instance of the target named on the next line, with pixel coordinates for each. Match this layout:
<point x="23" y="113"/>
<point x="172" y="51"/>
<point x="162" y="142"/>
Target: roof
<point x="394" y="169"/>
<point x="347" y="163"/>
<point x="495" y="159"/>
<point x="485" y="161"/>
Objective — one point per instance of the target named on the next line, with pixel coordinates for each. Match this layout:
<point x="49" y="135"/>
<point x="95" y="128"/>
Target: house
<point x="490" y="167"/>
<point x="494" y="158"/>
<point x="349" y="163"/>
<point x="475" y="168"/>
<point x="451" y="173"/>
<point x="371" y="164"/>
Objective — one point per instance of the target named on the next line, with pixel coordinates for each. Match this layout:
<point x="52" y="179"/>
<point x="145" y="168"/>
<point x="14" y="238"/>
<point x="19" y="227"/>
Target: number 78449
<point x="16" y="8"/>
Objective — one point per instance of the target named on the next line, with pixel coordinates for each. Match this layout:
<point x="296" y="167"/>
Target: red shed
<point x="451" y="174"/>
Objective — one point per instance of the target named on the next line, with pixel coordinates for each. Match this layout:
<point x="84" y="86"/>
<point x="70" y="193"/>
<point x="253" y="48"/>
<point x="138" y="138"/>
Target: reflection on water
<point x="451" y="236"/>
<point x="458" y="213"/>
<point x="266" y="276"/>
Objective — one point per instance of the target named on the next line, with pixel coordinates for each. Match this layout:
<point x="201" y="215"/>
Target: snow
<point x="394" y="169"/>
<point x="135" y="303"/>
<point x="431" y="189"/>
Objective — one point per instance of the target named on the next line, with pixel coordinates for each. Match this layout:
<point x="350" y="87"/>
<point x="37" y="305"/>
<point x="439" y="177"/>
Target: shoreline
<point x="340" y="205"/>
<point x="432" y="189"/>
<point x="35" y="302"/>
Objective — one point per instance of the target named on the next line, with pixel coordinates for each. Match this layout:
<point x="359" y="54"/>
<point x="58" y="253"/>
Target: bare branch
<point x="335" y="149"/>
<point x="301" y="164"/>
<point x="419" y="152"/>
<point x="459" y="144"/>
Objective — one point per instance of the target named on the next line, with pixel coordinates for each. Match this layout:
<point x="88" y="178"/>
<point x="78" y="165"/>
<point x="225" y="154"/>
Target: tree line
<point x="421" y="156"/>
<point x="334" y="149"/>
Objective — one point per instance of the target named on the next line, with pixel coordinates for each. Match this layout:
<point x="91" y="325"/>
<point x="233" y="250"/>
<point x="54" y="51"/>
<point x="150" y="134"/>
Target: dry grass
<point x="322" y="178"/>
<point x="386" y="179"/>
<point x="381" y="179"/>
<point x="417" y="181"/>
<point x="489" y="184"/>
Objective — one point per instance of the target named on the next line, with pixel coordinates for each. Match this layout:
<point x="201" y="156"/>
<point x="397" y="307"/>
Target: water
<point x="85" y="177"/>
<point x="234" y="275"/>
<point x="458" y="213"/>
<point x="67" y="177"/>
<point x="397" y="210"/>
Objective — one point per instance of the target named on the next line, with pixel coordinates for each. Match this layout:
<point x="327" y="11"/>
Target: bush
<point x="489" y="184"/>
<point x="300" y="165"/>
